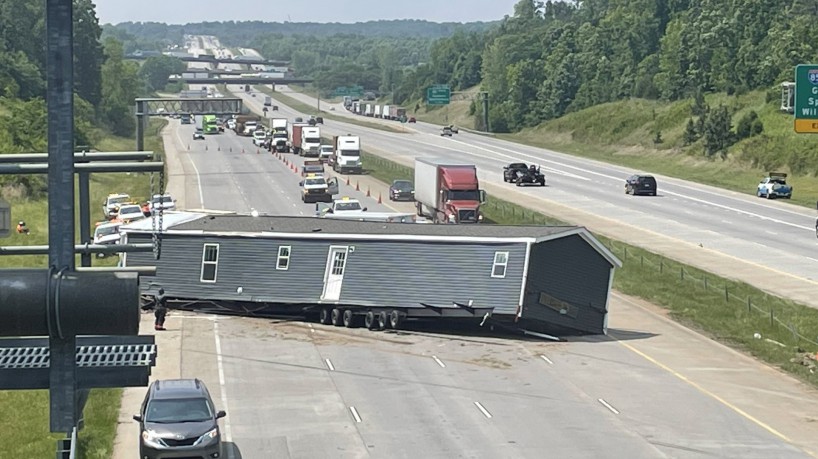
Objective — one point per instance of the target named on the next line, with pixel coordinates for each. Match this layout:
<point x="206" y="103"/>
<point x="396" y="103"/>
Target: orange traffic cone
<point x="357" y="186"/>
<point x="380" y="201"/>
<point x="296" y="170"/>
<point x="368" y="192"/>
<point x="347" y="180"/>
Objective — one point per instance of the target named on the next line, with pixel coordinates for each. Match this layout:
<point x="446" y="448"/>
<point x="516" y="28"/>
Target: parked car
<point x="164" y="202"/>
<point x="454" y="128"/>
<point x="198" y="135"/>
<point x="275" y="108"/>
<point x="640" y="184"/>
<point x="447" y="131"/>
<point x="299" y="119"/>
<point x="319" y="119"/>
<point x="774" y="185"/>
<point x="510" y="172"/>
<point x="130" y="212"/>
<point x="178" y="419"/>
<point x="402" y="190"/>
<point x="111" y="205"/>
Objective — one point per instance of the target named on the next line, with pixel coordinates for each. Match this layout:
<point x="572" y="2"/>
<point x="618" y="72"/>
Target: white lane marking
<point x="228" y="435"/>
<point x="442" y="365"/>
<point x="330" y="365"/>
<point x="608" y="406"/>
<point x="355" y="414"/>
<point x="813" y="259"/>
<point x="482" y="410"/>
<point x="547" y="359"/>
<point x="195" y="169"/>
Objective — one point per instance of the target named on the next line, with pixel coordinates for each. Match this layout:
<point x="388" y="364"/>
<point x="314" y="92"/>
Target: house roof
<point x="325" y="228"/>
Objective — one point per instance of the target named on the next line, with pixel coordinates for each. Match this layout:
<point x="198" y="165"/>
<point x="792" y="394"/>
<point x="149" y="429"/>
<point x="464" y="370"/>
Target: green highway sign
<point x="806" y="99"/>
<point x="438" y="95"/>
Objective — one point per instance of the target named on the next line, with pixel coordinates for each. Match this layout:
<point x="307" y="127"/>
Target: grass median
<point x="777" y="331"/>
<point x="24" y="426"/>
<point x="296" y="104"/>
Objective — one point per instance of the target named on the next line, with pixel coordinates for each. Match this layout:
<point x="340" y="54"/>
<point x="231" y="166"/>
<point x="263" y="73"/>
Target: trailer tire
<point x="369" y="320"/>
<point x="324" y="316"/>
<point x="349" y="318"/>
<point x="396" y="319"/>
<point x="337" y="317"/>
<point x="383" y="320"/>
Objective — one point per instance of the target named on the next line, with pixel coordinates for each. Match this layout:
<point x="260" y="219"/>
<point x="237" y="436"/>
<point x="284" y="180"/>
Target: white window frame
<point x="498" y="263"/>
<point x="284" y="257"/>
<point x="214" y="263"/>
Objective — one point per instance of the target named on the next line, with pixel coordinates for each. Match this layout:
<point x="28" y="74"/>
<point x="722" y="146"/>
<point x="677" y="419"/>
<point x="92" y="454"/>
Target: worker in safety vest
<point x="161" y="310"/>
<point x="22" y="228"/>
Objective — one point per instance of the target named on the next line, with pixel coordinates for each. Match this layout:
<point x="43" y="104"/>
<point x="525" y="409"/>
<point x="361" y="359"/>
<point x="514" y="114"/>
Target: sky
<point x="346" y="11"/>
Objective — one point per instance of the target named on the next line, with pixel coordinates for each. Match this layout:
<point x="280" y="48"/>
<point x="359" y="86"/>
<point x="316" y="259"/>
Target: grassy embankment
<point x="24" y="417"/>
<point x="310" y="110"/>
<point x="311" y="91"/>
<point x="727" y="311"/>
<point x="623" y="133"/>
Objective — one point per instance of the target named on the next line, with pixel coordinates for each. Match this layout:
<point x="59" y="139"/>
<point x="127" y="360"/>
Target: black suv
<point x="640" y="184"/>
<point x="178" y="419"/>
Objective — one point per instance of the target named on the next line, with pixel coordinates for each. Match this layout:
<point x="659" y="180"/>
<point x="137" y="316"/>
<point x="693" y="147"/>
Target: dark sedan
<point x="402" y="190"/>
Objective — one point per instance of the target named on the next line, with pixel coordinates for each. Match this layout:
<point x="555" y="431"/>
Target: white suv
<point x="164" y="202"/>
<point x="110" y="207"/>
<point x="259" y="136"/>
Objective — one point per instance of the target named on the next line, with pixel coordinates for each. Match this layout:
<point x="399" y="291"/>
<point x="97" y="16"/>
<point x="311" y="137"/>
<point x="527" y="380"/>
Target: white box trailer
<point x="377" y="111"/>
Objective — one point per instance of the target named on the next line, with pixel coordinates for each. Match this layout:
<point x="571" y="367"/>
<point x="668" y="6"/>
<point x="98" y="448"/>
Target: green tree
<point x="718" y="134"/>
<point x="88" y="55"/>
<point x="157" y="69"/>
<point x="120" y="86"/>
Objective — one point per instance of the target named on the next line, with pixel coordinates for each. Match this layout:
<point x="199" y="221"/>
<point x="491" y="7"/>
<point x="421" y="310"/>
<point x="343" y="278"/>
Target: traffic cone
<point x="296" y="170"/>
<point x="347" y="180"/>
<point x="357" y="186"/>
<point x="380" y="201"/>
<point x="368" y="192"/>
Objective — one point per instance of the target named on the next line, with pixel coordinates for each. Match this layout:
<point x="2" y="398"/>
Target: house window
<point x="283" y="262"/>
<point x="210" y="262"/>
<point x="498" y="269"/>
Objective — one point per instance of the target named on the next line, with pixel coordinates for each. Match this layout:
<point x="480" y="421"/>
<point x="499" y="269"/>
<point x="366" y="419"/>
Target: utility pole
<point x="485" y="96"/>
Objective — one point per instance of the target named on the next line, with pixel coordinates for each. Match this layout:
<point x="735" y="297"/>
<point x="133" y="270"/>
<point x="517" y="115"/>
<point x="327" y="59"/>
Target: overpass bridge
<point x="208" y="59"/>
<point x="241" y="80"/>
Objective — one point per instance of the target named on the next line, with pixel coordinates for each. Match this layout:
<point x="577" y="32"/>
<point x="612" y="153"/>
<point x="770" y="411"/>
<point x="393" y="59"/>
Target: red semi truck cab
<point x="448" y="191"/>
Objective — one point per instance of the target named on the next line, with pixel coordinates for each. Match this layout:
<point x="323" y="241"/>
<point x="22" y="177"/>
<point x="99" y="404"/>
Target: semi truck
<point x="447" y="191"/>
<point x="280" y="141"/>
<point x="396" y="113"/>
<point x="347" y="154"/>
<point x="310" y="141"/>
<point x="296" y="137"/>
<point x="246" y="125"/>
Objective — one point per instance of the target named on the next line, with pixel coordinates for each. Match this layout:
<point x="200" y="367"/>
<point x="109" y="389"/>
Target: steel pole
<point x="60" y="101"/>
<point x="79" y="157"/>
<point x="85" y="216"/>
<point x="140" y="125"/>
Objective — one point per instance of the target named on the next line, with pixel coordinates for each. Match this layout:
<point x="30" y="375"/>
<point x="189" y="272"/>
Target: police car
<point x="774" y="186"/>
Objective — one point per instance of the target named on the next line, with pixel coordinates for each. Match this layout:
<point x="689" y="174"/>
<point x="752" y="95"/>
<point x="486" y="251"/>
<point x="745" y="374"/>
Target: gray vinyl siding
<point x="394" y="273"/>
<point x="572" y="271"/>
<point x="389" y="273"/>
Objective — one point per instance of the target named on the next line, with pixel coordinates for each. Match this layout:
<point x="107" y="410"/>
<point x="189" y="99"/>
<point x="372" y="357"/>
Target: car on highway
<point x="198" y="135"/>
<point x="530" y="176"/>
<point x="299" y="119"/>
<point x="774" y="185"/>
<point x="315" y="188"/>
<point x="259" y="136"/>
<point x="447" y="131"/>
<point x="325" y="151"/>
<point x="641" y="184"/>
<point x="129" y="213"/>
<point x="178" y="419"/>
<point x="319" y="119"/>
<point x="402" y="190"/>
<point x="164" y="202"/>
<point x="110" y="207"/>
<point x="454" y="128"/>
<point x="412" y="119"/>
<point x="511" y="171"/>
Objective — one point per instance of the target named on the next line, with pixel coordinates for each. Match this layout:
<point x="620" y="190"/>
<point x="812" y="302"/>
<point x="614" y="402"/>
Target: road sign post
<point x="806" y="99"/>
<point x="438" y="95"/>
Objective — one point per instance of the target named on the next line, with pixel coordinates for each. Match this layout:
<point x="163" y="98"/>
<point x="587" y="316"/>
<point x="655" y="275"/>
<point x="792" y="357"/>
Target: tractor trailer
<point x="448" y="191"/>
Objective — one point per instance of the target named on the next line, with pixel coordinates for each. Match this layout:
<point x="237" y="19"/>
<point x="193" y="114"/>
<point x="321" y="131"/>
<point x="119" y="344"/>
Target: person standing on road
<point x="161" y="310"/>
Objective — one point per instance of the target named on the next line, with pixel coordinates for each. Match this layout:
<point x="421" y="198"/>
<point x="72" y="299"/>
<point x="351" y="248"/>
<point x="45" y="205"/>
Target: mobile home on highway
<point x="548" y="279"/>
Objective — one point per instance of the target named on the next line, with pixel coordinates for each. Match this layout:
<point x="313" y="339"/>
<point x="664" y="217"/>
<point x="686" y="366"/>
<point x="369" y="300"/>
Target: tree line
<point x="105" y="84"/>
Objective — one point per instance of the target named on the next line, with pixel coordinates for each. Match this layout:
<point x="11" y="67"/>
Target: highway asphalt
<point x="770" y="244"/>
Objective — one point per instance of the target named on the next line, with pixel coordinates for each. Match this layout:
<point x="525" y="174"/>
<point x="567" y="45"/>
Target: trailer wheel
<point x="324" y="316"/>
<point x="369" y="320"/>
<point x="396" y="319"/>
<point x="337" y="318"/>
<point x="383" y="320"/>
<point x="349" y="318"/>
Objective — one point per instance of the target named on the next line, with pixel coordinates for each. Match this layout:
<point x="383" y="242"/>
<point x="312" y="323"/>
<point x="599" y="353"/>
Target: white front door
<point x="334" y="276"/>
